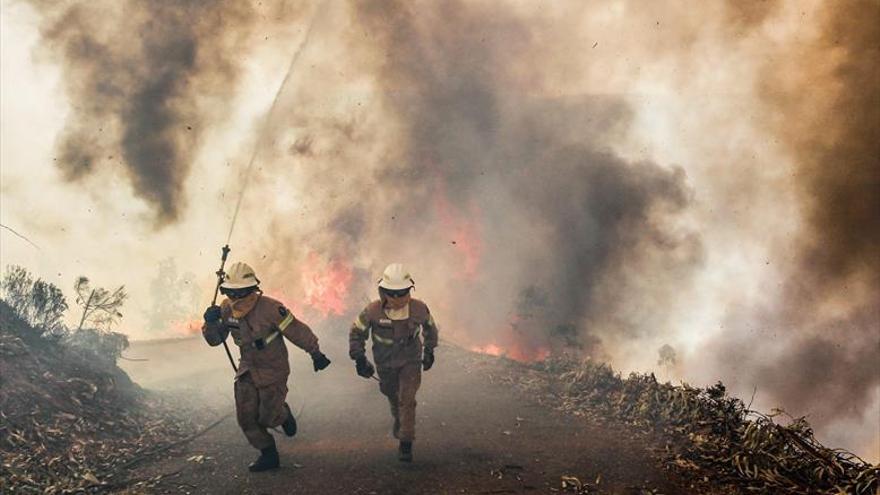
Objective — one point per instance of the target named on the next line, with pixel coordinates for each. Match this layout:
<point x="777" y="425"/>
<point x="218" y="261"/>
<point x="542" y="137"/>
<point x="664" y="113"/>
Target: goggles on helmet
<point x="395" y="293"/>
<point x="237" y="293"/>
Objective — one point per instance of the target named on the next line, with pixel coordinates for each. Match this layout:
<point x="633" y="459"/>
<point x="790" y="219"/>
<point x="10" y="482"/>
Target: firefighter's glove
<point x="428" y="359"/>
<point x="363" y="367"/>
<point x="319" y="361"/>
<point x="212" y="314"/>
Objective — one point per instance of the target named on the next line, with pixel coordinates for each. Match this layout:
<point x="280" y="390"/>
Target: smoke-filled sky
<point x="601" y="177"/>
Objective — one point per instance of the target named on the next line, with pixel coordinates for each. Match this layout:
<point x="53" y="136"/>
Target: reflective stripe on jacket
<point x="395" y="342"/>
<point x="262" y="353"/>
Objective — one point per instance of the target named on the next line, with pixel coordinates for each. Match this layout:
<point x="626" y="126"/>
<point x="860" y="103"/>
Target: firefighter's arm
<point x="431" y="333"/>
<point x="357" y="336"/>
<point x="357" y="340"/>
<point x="214" y="329"/>
<point x="297" y="332"/>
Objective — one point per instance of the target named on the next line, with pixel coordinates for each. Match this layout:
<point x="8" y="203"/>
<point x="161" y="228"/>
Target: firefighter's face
<point x="397" y="299"/>
<point x="237" y="293"/>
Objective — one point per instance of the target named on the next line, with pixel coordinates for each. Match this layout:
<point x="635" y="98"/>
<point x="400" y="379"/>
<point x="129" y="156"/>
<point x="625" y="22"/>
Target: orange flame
<point x="515" y="345"/>
<point x="326" y="285"/>
<point x="490" y="349"/>
<point x="514" y="351"/>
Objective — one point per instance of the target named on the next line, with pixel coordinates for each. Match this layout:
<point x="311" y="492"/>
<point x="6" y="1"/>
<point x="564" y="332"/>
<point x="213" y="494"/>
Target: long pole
<point x="220" y="274"/>
<point x="259" y="144"/>
<point x="270" y="117"/>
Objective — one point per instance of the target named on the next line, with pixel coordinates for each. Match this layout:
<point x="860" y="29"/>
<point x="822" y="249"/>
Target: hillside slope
<point x="71" y="420"/>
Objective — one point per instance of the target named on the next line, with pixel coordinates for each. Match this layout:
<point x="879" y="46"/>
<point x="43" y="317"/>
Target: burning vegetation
<point x="74" y="422"/>
<point x="582" y="154"/>
<point x="570" y="179"/>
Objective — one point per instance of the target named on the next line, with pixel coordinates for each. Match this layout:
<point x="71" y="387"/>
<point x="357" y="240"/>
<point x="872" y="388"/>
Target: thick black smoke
<point x="529" y="220"/>
<point x="145" y="80"/>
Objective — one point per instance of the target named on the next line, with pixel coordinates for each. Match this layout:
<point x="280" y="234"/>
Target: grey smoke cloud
<point x="447" y="135"/>
<point x="816" y="351"/>
<point x="145" y="80"/>
<point x="500" y="191"/>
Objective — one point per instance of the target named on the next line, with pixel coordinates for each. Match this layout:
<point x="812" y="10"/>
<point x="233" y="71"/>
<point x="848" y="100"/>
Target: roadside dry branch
<point x="707" y="432"/>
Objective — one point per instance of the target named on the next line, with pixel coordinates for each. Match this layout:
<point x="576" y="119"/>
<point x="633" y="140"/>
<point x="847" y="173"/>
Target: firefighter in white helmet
<point x="256" y="322"/>
<point x="404" y="337"/>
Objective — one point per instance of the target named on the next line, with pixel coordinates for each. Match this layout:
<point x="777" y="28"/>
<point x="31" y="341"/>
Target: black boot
<point x="289" y="424"/>
<point x="268" y="460"/>
<point x="395" y="430"/>
<point x="404" y="453"/>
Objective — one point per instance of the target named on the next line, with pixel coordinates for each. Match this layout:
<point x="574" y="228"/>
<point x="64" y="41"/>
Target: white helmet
<point x="395" y="277"/>
<point x="239" y="276"/>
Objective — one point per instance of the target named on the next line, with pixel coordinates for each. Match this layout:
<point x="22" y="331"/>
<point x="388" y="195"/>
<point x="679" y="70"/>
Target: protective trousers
<point x="259" y="408"/>
<point x="400" y="386"/>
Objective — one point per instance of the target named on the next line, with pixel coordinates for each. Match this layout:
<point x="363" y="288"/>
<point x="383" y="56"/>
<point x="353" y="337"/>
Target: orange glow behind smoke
<point x="514" y="351"/>
<point x="515" y="345"/>
<point x="185" y="328"/>
<point x="490" y="349"/>
<point x="464" y="233"/>
<point x="325" y="285"/>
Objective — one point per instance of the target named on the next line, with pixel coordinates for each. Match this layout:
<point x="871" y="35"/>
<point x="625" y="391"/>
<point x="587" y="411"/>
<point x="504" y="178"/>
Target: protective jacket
<point x="263" y="353"/>
<point x="395" y="342"/>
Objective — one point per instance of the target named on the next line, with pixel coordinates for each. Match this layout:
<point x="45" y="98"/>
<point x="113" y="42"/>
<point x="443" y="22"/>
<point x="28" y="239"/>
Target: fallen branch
<point x="133" y="481"/>
<point x="103" y="486"/>
<point x="707" y="430"/>
<point x="133" y="359"/>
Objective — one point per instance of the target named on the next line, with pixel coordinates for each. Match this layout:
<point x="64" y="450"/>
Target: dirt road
<point x="473" y="436"/>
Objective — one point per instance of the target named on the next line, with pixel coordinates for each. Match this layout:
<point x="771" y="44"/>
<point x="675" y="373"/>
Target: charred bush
<point x="38" y="303"/>
<point x="100" y="345"/>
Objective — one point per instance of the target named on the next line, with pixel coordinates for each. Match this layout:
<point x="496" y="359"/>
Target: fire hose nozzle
<point x="220" y="274"/>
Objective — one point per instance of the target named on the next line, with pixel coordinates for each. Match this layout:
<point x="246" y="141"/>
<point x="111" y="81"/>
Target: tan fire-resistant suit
<point x="397" y="352"/>
<point x="261" y="381"/>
